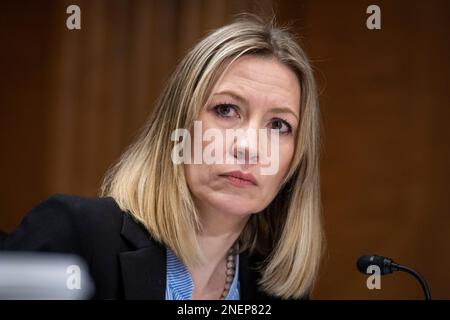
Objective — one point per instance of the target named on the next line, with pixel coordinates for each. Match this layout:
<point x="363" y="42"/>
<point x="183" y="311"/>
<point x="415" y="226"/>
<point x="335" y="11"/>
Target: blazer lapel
<point x="246" y="278"/>
<point x="143" y="269"/>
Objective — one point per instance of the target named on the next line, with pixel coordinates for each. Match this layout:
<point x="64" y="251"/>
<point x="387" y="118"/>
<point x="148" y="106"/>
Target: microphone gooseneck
<point x="387" y="266"/>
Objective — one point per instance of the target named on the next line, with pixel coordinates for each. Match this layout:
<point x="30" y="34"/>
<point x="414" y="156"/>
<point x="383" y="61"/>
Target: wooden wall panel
<point x="385" y="104"/>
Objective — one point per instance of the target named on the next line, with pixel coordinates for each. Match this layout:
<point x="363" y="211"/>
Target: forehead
<point x="263" y="79"/>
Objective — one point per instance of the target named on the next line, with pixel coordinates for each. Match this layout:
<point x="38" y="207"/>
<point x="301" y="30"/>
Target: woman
<point x="169" y="229"/>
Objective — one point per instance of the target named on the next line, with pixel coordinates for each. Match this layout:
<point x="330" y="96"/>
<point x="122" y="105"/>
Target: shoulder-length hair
<point x="146" y="183"/>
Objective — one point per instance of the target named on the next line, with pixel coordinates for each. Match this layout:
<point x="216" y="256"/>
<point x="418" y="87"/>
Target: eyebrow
<point x="245" y="101"/>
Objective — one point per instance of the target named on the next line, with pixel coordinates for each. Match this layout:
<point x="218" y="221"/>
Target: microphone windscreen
<point x="365" y="261"/>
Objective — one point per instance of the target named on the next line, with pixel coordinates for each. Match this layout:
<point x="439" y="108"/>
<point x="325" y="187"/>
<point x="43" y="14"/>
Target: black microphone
<point x="387" y="266"/>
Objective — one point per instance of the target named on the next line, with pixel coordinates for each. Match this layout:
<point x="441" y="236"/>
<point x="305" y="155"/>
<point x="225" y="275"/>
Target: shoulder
<point x="77" y="212"/>
<point x="63" y="222"/>
<point x="73" y="204"/>
<point x="86" y="209"/>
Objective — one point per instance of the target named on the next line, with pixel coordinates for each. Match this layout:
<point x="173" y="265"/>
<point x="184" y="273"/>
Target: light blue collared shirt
<point x="179" y="283"/>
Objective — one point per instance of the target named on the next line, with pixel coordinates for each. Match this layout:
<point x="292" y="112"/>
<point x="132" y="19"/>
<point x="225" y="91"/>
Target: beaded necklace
<point x="231" y="268"/>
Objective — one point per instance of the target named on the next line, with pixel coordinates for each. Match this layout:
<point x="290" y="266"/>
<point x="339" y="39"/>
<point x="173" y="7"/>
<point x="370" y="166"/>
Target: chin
<point x="233" y="204"/>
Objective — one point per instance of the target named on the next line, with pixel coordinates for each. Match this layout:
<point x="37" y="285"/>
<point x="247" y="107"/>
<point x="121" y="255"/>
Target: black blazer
<point x="125" y="262"/>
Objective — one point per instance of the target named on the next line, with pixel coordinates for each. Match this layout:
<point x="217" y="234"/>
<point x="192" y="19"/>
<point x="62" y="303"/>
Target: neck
<point x="219" y="233"/>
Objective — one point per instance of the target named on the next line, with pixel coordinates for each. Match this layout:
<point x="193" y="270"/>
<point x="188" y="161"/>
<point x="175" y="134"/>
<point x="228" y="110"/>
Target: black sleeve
<point x="50" y="226"/>
<point x="2" y="238"/>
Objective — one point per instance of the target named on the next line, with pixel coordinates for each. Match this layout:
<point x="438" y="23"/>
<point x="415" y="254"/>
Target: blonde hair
<point x="146" y="183"/>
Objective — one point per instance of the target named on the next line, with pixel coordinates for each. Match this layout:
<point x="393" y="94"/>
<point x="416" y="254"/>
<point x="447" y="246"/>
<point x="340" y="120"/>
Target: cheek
<point x="210" y="122"/>
<point x="197" y="181"/>
<point x="272" y="182"/>
<point x="286" y="155"/>
<point x="207" y="119"/>
<point x="197" y="176"/>
<point x="190" y="175"/>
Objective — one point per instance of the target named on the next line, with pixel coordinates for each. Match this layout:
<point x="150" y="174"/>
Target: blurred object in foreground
<point x="42" y="276"/>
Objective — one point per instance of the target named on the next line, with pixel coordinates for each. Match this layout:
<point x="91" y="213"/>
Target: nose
<point x="245" y="146"/>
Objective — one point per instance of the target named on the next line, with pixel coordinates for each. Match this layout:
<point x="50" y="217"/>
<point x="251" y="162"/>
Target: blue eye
<point x="282" y="125"/>
<point x="226" y="110"/>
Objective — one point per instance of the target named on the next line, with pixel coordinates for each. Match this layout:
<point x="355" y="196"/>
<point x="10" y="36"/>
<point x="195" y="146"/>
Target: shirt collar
<point x="180" y="284"/>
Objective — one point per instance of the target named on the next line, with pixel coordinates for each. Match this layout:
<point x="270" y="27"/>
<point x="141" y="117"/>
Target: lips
<point x="240" y="178"/>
